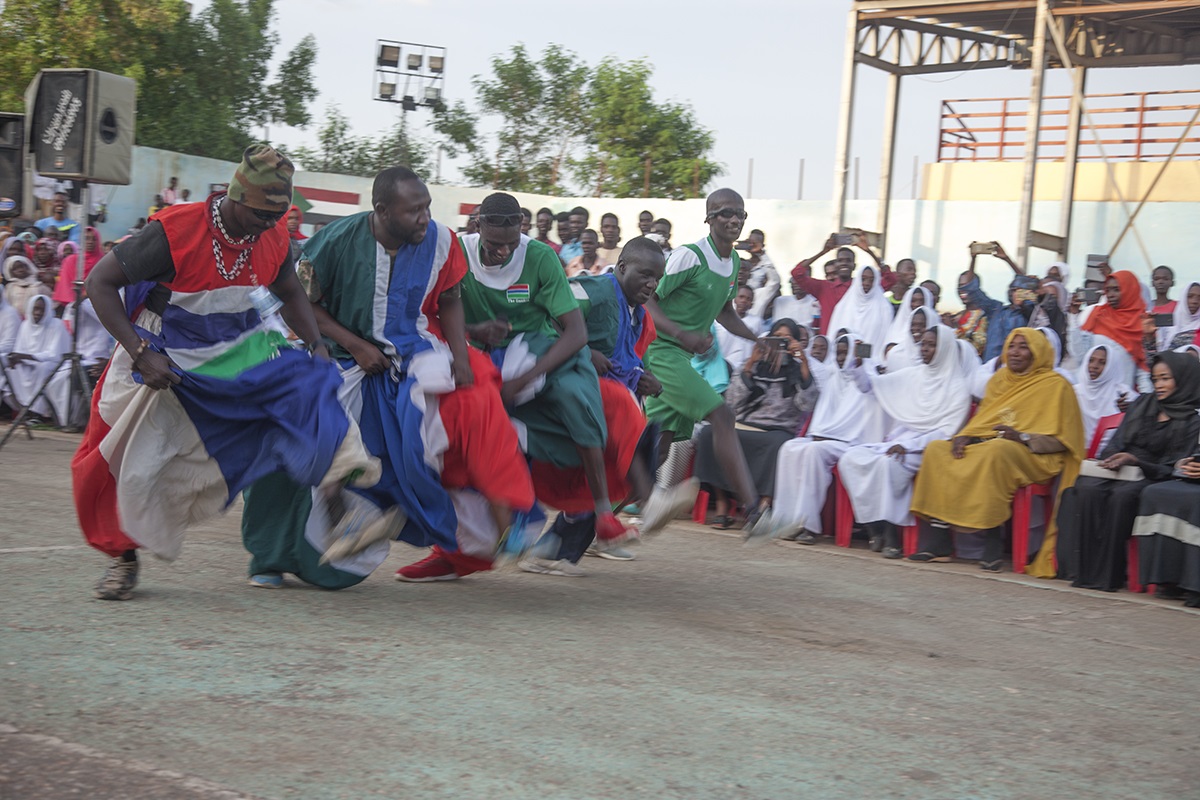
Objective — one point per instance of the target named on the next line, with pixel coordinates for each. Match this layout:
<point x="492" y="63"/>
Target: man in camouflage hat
<point x="204" y="394"/>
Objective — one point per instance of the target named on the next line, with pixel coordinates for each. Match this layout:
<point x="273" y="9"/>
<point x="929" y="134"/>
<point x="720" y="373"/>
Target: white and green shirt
<point x="529" y="289"/>
<point x="697" y="285"/>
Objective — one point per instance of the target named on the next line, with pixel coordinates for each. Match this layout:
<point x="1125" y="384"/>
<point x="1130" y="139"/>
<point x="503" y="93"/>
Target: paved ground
<point x="705" y="669"/>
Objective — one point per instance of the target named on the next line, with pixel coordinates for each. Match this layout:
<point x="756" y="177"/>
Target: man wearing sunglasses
<point x="698" y="290"/>
<point x="519" y="305"/>
<point x="204" y="395"/>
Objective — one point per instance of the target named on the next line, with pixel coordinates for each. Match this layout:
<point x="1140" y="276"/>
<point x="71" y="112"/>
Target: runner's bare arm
<point x="730" y="321"/>
<point x="454" y="328"/>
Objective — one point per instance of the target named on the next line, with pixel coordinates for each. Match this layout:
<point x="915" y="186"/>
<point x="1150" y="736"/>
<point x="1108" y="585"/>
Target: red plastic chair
<point x="909" y="534"/>
<point x="843" y="512"/>
<point x="1022" y="511"/>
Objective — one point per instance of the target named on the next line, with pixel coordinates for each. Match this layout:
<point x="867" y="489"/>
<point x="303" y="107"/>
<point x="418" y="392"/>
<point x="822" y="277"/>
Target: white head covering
<point x="1055" y="342"/>
<point x="928" y="397"/>
<point x="1098" y="398"/>
<point x="1189" y="348"/>
<point x="1060" y="294"/>
<point x="968" y="359"/>
<point x="10" y="323"/>
<point x="868" y="314"/>
<point x="1064" y="270"/>
<point x="1184" y="319"/>
<point x="843" y="411"/>
<point x="30" y="280"/>
<point x="93" y="340"/>
<point x="46" y="339"/>
<point x="898" y="330"/>
<point x="907" y="352"/>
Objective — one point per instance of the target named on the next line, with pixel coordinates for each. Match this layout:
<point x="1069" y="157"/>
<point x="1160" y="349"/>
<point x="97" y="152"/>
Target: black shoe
<point x="991" y="566"/>
<point x="119" y="580"/>
<point x="925" y="557"/>
<point x="806" y="537"/>
<point x="1191" y="599"/>
<point x="875" y="543"/>
<point x="893" y="552"/>
<point x="1169" y="591"/>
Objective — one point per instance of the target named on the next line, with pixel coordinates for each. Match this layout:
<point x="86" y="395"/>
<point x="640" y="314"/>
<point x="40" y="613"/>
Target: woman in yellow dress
<point x="1027" y="429"/>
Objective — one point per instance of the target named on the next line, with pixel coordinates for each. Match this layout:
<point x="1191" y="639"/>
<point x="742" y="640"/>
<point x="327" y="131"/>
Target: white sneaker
<point x="611" y="553"/>
<point x="664" y="505"/>
<point x="545" y="566"/>
<point x="358" y="532"/>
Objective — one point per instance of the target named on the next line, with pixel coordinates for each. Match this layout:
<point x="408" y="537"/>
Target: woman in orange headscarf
<point x="1027" y="429"/>
<point x="1122" y="317"/>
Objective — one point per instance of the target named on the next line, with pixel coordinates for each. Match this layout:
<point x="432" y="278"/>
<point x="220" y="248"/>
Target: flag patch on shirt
<point x="518" y="293"/>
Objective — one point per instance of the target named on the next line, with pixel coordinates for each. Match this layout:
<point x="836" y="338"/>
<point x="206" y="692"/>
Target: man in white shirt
<point x="735" y="349"/>
<point x="800" y="307"/>
<point x="758" y="272"/>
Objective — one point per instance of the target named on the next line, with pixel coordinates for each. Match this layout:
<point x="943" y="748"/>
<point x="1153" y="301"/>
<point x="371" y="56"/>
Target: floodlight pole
<point x="891" y="116"/>
<point x="1071" y="156"/>
<point x="841" y="163"/>
<point x="1033" y="117"/>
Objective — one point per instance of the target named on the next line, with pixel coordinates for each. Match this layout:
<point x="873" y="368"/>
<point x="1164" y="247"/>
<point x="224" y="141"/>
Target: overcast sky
<point x="764" y="75"/>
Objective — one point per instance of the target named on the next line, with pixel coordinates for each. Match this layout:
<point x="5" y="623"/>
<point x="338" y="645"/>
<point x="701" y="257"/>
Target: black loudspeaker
<point x="80" y="123"/>
<point x="12" y="163"/>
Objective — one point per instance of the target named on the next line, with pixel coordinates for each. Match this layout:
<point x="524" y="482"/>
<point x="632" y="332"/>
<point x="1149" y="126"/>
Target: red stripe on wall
<point x="328" y="195"/>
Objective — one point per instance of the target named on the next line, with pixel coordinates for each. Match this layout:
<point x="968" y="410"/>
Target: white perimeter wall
<point x="934" y="233"/>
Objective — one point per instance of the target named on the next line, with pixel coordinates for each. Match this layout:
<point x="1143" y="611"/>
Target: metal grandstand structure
<point x="922" y="37"/>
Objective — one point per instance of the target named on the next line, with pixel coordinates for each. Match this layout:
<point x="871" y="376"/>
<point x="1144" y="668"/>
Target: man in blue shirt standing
<point x="58" y="219"/>
<point x="579" y="222"/>
<point x="1003" y="319"/>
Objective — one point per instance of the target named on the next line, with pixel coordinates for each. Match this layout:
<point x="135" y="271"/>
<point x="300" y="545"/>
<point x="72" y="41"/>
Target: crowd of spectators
<point x="926" y="417"/>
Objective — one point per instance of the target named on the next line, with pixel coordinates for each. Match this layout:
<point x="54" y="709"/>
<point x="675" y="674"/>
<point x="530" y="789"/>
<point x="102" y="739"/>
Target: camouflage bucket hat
<point x="263" y="180"/>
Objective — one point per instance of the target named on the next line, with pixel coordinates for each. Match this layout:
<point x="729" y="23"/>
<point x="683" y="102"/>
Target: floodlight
<point x="389" y="55"/>
<point x="387" y="91"/>
<point x="436" y="64"/>
<point x="408" y="103"/>
<point x="414" y="62"/>
<point x="432" y="94"/>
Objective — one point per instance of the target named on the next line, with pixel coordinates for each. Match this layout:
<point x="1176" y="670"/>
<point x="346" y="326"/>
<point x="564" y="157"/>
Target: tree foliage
<point x="560" y="118"/>
<point x="627" y="130"/>
<point x="340" y="152"/>
<point x="203" y="83"/>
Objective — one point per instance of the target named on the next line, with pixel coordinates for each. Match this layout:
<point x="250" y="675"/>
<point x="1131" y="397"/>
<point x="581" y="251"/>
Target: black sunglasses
<point x="501" y="220"/>
<point x="727" y="213"/>
<point x="268" y="216"/>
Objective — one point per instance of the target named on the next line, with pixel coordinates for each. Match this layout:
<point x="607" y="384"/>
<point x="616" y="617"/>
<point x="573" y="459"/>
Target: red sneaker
<point x="431" y="568"/>
<point x="610" y="531"/>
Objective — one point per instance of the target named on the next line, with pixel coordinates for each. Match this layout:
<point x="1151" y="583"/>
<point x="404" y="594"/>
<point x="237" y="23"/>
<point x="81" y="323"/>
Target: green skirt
<point x="686" y="397"/>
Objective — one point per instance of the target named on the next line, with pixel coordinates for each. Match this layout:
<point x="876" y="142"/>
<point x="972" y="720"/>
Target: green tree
<point x="202" y="80"/>
<point x="540" y="107"/>
<point x="340" y="152"/>
<point x="626" y="128"/>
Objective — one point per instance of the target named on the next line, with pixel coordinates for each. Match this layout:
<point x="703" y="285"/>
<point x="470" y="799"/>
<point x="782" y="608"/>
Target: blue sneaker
<point x="267" y="580"/>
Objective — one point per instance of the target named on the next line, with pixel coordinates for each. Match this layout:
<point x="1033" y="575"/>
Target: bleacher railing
<point x="1133" y="126"/>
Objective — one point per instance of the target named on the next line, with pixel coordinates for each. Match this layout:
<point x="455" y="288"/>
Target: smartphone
<point x="843" y="239"/>
<point x="1164" y="320"/>
<point x="862" y="350"/>
<point x="1093" y="273"/>
<point x="778" y="342"/>
<point x="1091" y="296"/>
<point x="983" y="248"/>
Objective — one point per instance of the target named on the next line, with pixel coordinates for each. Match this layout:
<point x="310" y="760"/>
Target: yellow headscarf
<point x="1037" y="401"/>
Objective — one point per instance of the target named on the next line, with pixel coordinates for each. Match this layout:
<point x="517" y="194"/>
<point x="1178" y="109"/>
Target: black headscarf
<point x="1183" y="402"/>
<point x="1158" y="448"/>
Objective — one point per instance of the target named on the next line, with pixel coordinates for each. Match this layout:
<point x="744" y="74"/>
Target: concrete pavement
<point x="704" y="669"/>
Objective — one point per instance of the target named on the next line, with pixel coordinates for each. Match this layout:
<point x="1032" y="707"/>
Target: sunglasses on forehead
<point x="727" y="213"/>
<point x="501" y="220"/>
